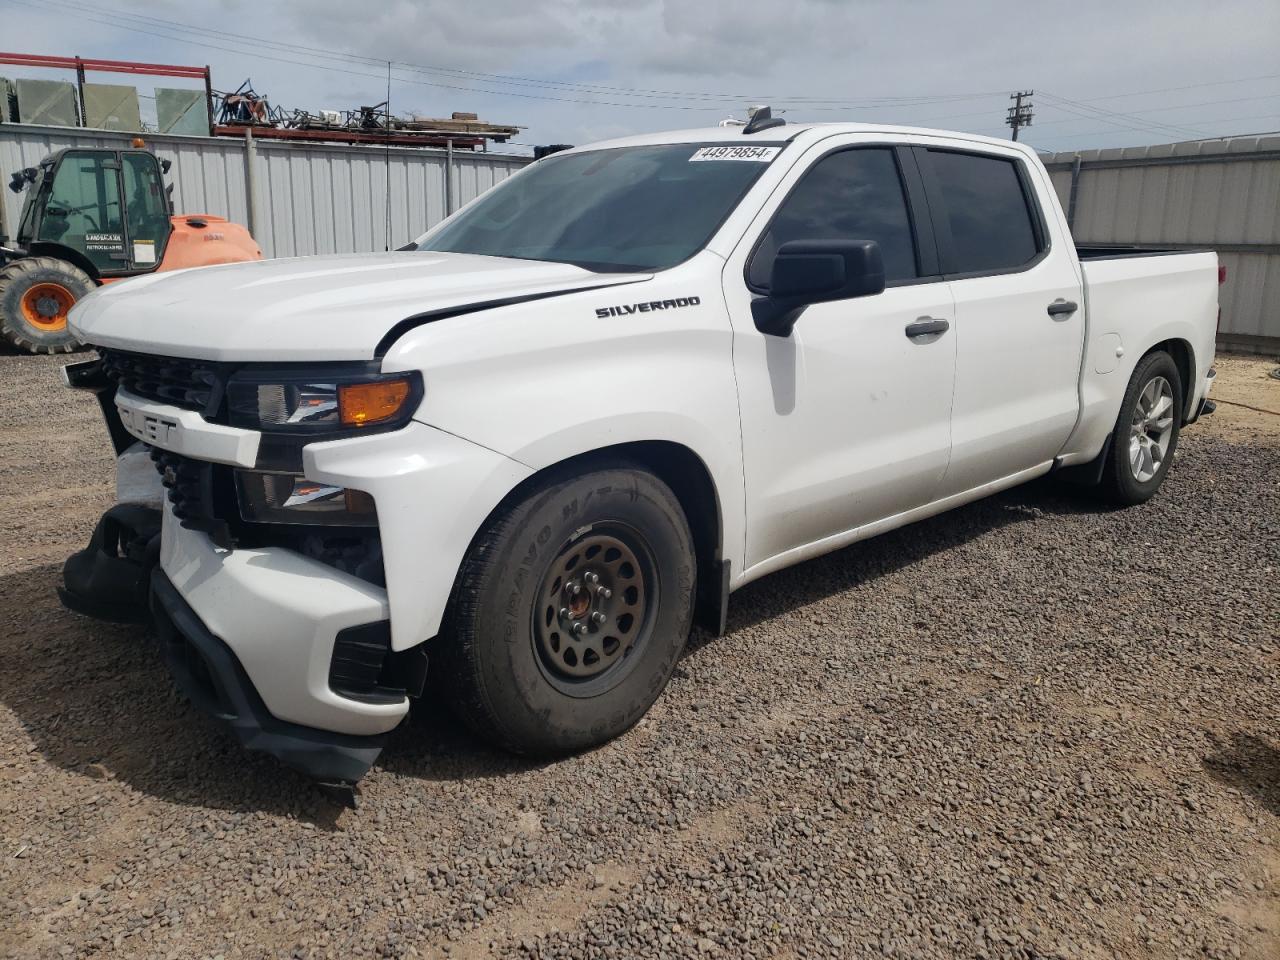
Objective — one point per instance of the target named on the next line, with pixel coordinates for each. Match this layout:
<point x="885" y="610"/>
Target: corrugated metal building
<point x="1222" y="194"/>
<point x="307" y="198"/>
<point x="330" y="198"/>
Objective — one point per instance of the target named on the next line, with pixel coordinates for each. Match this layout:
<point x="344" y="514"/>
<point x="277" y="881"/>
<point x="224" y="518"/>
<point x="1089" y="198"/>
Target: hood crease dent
<point x="340" y="307"/>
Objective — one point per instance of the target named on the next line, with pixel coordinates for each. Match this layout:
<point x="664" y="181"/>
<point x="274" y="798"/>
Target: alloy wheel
<point x="1151" y="429"/>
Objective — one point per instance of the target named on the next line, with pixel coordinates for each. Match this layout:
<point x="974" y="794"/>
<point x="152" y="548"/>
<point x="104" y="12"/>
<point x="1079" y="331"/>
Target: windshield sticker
<point x="103" y="242"/>
<point x="758" y="154"/>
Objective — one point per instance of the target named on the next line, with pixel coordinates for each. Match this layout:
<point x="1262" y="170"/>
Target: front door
<point x="847" y="420"/>
<point x="147" y="209"/>
<point x="83" y="209"/>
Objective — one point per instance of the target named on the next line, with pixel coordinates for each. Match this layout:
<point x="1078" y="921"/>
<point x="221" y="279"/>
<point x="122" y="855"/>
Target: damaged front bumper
<point x="208" y="672"/>
<point x="293" y="654"/>
<point x="308" y="654"/>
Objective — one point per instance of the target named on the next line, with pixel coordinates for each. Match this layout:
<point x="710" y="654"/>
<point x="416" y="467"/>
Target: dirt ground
<point x="1032" y="727"/>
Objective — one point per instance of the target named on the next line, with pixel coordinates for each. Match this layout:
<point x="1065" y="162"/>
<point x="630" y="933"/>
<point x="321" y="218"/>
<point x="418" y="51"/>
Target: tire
<point x="1142" y="446"/>
<point x="516" y="671"/>
<point x="35" y="296"/>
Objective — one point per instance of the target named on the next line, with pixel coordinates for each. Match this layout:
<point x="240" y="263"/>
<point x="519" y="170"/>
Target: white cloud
<point x="835" y="49"/>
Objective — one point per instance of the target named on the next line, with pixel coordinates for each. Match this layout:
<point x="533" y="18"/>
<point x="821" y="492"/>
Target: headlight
<point x="290" y="498"/>
<point x="346" y="402"/>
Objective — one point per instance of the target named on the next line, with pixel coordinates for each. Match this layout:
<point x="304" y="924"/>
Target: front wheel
<point x="1146" y="432"/>
<point x="571" y="611"/>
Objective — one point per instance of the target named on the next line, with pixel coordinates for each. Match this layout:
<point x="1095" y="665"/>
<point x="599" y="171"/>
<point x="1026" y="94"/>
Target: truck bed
<point x="1116" y="251"/>
<point x="1137" y="296"/>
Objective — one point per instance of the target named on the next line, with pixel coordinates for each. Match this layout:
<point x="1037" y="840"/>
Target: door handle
<point x="1062" y="308"/>
<point x="927" y="326"/>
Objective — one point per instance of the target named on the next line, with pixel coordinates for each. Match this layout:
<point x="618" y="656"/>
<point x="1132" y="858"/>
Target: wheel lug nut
<point x="564" y="613"/>
<point x="605" y="592"/>
<point x="579" y="628"/>
<point x="574" y="589"/>
<point x="599" y="617"/>
<point x="592" y="578"/>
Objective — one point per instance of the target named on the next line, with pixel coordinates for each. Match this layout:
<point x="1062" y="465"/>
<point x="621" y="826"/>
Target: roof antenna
<point x="761" y="118"/>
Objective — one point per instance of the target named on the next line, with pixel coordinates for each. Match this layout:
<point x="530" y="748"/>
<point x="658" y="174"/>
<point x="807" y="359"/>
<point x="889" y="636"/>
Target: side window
<point x="83" y="210"/>
<point x="145" y="204"/>
<point x="991" y="223"/>
<point x="855" y="194"/>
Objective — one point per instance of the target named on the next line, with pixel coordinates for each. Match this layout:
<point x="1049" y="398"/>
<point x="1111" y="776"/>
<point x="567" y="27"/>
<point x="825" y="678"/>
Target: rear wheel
<point x="571" y="612"/>
<point x="1146" y="432"/>
<point x="36" y="295"/>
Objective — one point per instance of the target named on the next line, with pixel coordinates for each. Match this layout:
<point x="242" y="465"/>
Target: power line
<point x="1178" y="106"/>
<point x="1069" y="106"/>
<point x="589" y="93"/>
<point x="1192" y="86"/>
<point x="401" y="79"/>
<point x="1095" y="133"/>
<point x="567" y="86"/>
<point x="592" y="89"/>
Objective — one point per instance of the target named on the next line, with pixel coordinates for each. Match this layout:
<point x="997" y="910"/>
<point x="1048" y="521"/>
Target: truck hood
<point x="309" y="308"/>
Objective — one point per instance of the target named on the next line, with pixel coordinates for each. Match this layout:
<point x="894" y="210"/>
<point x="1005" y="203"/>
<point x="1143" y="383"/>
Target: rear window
<point x="992" y="228"/>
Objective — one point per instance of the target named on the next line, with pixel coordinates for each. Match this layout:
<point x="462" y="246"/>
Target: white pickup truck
<point x="538" y="443"/>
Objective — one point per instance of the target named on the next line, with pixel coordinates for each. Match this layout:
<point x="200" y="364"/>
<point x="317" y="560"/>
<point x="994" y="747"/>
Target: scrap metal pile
<point x="244" y="109"/>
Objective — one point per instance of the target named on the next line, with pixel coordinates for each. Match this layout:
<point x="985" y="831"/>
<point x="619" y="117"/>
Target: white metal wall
<point x="310" y="198"/>
<point x="1220" y="194"/>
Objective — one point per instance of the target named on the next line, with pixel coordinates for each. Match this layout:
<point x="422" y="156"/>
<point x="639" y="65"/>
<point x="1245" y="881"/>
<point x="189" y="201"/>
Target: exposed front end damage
<point x="306" y="637"/>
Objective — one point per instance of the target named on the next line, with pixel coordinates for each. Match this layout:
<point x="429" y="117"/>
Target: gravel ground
<point x="1029" y="728"/>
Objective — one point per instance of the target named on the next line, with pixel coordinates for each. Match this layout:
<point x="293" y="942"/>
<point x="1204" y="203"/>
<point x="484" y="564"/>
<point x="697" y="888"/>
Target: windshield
<point x="631" y="208"/>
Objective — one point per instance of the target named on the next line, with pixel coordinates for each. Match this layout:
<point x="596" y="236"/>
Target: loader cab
<point x="107" y="211"/>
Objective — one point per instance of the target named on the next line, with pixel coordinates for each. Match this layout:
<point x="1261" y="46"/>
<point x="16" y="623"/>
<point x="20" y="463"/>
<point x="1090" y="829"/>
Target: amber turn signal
<point x="360" y="404"/>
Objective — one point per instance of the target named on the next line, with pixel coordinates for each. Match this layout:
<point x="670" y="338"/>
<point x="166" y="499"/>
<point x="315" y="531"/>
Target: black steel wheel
<point x="570" y="612"/>
<point x="594" y="617"/>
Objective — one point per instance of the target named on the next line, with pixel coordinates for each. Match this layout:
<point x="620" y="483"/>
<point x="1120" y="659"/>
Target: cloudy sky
<point x="571" y="71"/>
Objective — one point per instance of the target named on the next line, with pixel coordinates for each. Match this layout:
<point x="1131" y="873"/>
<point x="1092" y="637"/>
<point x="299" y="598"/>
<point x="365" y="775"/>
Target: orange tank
<point x="201" y="240"/>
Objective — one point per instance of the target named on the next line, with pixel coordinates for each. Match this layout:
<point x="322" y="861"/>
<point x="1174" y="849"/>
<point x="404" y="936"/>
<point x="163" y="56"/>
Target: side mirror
<point x="165" y="165"/>
<point x="19" y="179"/>
<point x="816" y="271"/>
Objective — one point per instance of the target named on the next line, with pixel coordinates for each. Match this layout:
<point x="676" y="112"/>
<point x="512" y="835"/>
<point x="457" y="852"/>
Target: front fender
<point x="433" y="491"/>
<point x="542" y="383"/>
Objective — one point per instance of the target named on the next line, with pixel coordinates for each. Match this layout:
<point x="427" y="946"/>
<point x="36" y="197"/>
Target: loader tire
<point x="36" y="294"/>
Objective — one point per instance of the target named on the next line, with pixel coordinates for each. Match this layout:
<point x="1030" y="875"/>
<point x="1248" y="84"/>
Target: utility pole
<point x="1020" y="113"/>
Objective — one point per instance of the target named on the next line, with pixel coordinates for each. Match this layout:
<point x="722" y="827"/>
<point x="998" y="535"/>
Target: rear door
<point x="1017" y="338"/>
<point x="847" y="420"/>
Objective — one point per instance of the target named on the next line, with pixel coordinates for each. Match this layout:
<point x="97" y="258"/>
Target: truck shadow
<point x="1250" y="765"/>
<point x="794" y="587"/>
<point x="95" y="699"/>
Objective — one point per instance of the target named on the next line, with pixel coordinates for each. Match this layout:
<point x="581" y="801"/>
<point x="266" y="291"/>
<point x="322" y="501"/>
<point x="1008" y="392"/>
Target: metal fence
<point x="1220" y="194"/>
<point x="302" y="199"/>
<point x="297" y="199"/>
